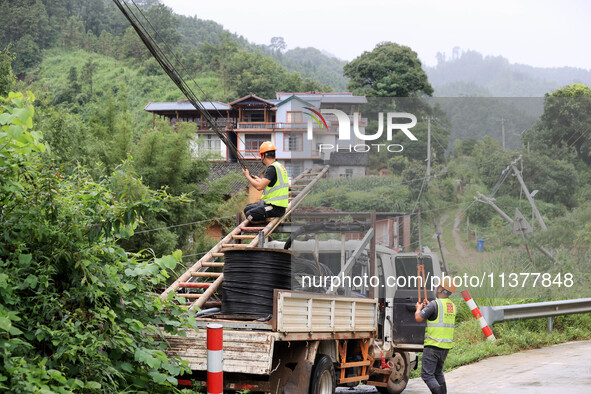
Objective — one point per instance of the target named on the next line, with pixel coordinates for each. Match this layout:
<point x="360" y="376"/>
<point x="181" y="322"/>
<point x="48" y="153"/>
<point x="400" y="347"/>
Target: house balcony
<point x="221" y="124"/>
<point x="272" y="126"/>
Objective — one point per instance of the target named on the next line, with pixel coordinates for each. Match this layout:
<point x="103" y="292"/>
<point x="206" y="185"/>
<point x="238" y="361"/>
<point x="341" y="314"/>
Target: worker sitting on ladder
<point x="275" y="184"/>
<point x="439" y="334"/>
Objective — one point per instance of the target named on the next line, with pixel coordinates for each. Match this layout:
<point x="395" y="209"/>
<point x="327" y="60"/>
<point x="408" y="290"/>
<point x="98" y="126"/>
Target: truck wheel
<point x="399" y="375"/>
<point x="323" y="380"/>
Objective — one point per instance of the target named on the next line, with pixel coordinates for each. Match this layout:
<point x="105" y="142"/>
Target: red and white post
<point x="476" y="312"/>
<point x="215" y="343"/>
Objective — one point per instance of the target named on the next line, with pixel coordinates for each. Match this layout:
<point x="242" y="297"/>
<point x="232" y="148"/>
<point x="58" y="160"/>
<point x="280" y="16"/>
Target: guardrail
<point x="494" y="314"/>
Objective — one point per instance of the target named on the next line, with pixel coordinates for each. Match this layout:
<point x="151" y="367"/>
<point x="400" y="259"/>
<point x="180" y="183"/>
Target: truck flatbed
<point x="299" y="316"/>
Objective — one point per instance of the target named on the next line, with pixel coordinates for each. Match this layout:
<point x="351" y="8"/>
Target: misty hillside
<point x="469" y="73"/>
<point x="30" y="28"/>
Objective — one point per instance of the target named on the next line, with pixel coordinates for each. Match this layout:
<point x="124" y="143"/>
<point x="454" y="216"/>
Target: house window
<point x="293" y="169"/>
<point x="254" y="116"/>
<point x="348" y="172"/>
<point x="210" y="144"/>
<point x="294" y="117"/>
<point x="252" y="142"/>
<point x="294" y="142"/>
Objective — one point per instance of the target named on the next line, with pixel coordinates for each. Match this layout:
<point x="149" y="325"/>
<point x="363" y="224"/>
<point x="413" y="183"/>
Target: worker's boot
<point x="437" y="390"/>
<point x="443" y="388"/>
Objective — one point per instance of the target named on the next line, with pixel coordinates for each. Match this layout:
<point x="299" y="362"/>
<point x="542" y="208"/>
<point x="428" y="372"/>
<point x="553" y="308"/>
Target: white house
<point x="284" y="120"/>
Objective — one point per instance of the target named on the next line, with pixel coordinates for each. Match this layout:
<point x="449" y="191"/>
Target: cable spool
<point x="250" y="276"/>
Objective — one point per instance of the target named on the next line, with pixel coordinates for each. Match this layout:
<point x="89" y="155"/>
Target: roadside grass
<point x="512" y="336"/>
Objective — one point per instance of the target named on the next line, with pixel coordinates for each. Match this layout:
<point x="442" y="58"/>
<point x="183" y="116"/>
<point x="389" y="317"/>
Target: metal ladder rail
<point x="207" y="258"/>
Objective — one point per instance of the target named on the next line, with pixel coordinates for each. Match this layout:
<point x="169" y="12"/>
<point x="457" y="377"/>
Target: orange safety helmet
<point x="448" y="285"/>
<point x="266" y="146"/>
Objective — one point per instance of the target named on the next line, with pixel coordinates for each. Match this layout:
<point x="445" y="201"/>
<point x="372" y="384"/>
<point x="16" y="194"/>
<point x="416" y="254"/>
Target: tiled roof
<point x="250" y="98"/>
<point x="186" y="106"/>
<point x="325" y="98"/>
<point x="315" y="99"/>
<point x="223" y="168"/>
<point x="292" y="97"/>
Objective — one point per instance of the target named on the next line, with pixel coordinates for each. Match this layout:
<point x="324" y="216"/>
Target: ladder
<point x="201" y="281"/>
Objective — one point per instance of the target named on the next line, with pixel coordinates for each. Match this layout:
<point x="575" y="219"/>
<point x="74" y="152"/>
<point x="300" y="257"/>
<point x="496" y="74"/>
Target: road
<point x="562" y="368"/>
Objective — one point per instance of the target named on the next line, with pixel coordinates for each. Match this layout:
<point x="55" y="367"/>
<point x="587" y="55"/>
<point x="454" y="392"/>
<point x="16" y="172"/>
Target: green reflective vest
<point x="278" y="193"/>
<point x="440" y="332"/>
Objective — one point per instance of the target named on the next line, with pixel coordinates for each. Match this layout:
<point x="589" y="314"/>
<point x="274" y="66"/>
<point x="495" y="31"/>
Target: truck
<point x="319" y="338"/>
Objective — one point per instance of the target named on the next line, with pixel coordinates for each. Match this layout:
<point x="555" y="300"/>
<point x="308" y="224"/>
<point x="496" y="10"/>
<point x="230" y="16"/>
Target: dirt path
<point x="456" y="234"/>
<point x="459" y="255"/>
<point x="442" y="221"/>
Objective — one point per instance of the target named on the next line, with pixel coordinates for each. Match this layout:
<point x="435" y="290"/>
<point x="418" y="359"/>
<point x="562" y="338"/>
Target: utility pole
<point x="489" y="201"/>
<point x="529" y="197"/>
<point x="494" y="206"/>
<point x="420" y="230"/>
<point x="503" y="131"/>
<point x="438" y="236"/>
<point x="428" y="173"/>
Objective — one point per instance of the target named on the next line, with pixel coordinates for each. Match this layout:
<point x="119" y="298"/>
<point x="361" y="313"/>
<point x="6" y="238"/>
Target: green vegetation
<point x="564" y="126"/>
<point x="312" y="63"/>
<point x="469" y="73"/>
<point x="390" y="70"/>
<point x="78" y="312"/>
<point x="94" y="200"/>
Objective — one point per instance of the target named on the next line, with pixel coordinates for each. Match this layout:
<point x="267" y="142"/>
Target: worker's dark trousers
<point x="260" y="211"/>
<point x="432" y="370"/>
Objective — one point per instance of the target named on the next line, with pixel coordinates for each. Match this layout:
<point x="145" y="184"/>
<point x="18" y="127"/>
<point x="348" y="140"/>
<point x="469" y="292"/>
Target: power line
<point x="173" y="73"/>
<point x="178" y="60"/>
<point x="181" y="225"/>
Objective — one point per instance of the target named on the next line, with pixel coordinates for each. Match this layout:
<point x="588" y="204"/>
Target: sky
<point x="542" y="33"/>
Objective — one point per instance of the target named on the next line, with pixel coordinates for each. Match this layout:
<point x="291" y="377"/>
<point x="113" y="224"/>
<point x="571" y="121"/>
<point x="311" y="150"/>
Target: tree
<point x="27" y="54"/>
<point x="132" y="46"/>
<point x="557" y="180"/>
<point x="277" y="44"/>
<point x="73" y="34"/>
<point x="88" y="73"/>
<point x="565" y="126"/>
<point x="390" y="70"/>
<point x="7" y="78"/>
<point x="107" y="43"/>
<point x="165" y="23"/>
<point x="76" y="310"/>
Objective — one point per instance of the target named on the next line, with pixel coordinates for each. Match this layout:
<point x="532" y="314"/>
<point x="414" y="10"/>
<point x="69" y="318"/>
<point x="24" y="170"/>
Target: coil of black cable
<point x="250" y="276"/>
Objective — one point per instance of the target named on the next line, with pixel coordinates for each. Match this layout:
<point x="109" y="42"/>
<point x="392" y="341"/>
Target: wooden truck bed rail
<point x="300" y="312"/>
<point x="247" y="352"/>
<point x="298" y="316"/>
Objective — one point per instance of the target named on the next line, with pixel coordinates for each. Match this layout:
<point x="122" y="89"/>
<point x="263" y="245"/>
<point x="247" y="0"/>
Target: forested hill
<point x="32" y="26"/>
<point x="469" y="73"/>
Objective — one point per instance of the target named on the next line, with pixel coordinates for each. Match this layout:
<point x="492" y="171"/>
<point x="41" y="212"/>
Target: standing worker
<point x="439" y="334"/>
<point x="275" y="184"/>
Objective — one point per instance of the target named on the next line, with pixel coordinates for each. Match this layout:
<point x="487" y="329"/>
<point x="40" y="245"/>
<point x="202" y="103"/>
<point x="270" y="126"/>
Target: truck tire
<point x="398" y="379"/>
<point x="323" y="378"/>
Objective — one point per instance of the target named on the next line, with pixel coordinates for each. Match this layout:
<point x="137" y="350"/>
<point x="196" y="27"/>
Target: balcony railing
<point x="221" y="124"/>
<point x="272" y="126"/>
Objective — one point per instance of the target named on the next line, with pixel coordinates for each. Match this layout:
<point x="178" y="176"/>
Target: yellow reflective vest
<point x="440" y="332"/>
<point x="278" y="193"/>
